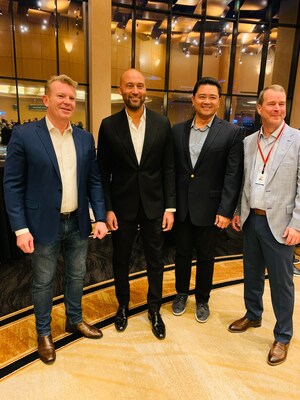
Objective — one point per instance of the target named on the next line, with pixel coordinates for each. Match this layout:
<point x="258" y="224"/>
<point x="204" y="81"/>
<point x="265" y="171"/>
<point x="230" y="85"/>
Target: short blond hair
<point x="276" y="88"/>
<point x="60" y="78"/>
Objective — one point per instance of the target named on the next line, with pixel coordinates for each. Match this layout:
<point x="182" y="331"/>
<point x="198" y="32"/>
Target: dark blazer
<point x="212" y="187"/>
<point x="33" y="187"/>
<point x="125" y="182"/>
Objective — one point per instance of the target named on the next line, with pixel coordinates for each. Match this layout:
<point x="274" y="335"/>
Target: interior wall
<point x="99" y="62"/>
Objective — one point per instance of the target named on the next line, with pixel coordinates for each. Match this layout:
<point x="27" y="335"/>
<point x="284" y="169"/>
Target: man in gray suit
<point x="270" y="218"/>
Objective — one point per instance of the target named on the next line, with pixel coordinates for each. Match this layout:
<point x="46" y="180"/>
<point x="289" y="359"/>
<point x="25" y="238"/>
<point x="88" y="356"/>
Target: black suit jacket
<point x="126" y="182"/>
<point x="212" y="187"/>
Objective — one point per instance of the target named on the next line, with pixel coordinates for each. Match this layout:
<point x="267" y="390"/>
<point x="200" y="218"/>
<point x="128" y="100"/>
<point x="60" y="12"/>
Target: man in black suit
<point x="135" y="154"/>
<point x="209" y="169"/>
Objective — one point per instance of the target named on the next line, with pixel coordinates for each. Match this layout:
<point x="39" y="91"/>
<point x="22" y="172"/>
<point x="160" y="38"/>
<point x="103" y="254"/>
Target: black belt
<point x="65" y="216"/>
<point x="257" y="211"/>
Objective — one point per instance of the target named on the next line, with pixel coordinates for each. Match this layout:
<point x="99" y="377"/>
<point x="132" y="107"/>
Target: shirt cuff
<point x="170" y="209"/>
<point x="21" y="231"/>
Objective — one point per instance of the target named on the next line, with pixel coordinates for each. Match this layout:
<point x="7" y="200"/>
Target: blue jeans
<point x="44" y="262"/>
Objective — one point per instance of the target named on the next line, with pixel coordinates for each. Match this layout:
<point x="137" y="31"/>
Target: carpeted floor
<point x="16" y="272"/>
<point x="195" y="361"/>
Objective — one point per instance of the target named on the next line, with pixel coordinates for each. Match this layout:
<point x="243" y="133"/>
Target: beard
<point x="134" y="106"/>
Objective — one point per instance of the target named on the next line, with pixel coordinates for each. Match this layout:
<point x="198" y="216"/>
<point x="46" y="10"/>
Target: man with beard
<point x="135" y="154"/>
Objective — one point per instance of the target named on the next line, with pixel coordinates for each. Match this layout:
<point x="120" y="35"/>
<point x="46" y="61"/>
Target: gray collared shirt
<point x="197" y="139"/>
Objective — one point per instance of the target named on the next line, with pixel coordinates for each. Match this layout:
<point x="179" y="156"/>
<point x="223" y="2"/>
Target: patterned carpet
<point x="195" y="360"/>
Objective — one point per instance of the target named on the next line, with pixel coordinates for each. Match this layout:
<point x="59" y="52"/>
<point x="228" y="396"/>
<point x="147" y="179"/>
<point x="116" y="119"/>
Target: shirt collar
<point x="273" y="134"/>
<point x="143" y="117"/>
<point x="206" y="126"/>
<point x="50" y="126"/>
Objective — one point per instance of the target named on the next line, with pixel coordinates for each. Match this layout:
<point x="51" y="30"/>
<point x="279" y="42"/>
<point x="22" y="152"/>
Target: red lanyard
<point x="265" y="160"/>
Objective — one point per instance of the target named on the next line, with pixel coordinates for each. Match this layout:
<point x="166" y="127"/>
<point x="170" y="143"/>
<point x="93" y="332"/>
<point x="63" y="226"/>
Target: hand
<point x="168" y="221"/>
<point x="112" y="222"/>
<point x="236" y="223"/>
<point x="222" y="222"/>
<point x="25" y="242"/>
<point x="291" y="236"/>
<point x="100" y="230"/>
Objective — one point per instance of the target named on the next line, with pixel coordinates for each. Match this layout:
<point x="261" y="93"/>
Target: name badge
<point x="261" y="179"/>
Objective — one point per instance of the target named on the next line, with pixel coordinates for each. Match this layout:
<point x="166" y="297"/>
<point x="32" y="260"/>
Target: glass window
<point x="71" y="43"/>
<point x="217" y="48"/>
<point x="121" y="38"/>
<point x="35" y="41"/>
<point x="79" y="117"/>
<point x="150" y="50"/>
<point x="8" y="101"/>
<point x="30" y="101"/>
<point x="6" y="43"/>
<point x="184" y="54"/>
<point x="248" y="58"/>
<point x="180" y="107"/>
<point x="155" y="101"/>
<point x="243" y="113"/>
<point x="280" y="54"/>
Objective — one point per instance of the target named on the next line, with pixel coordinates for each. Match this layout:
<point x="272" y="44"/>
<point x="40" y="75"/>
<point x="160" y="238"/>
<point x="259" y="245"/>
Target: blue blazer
<point x="33" y="186"/>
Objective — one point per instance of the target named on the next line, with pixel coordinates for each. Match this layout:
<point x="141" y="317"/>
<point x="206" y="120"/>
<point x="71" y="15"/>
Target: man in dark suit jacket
<point x="209" y="169"/>
<point x="135" y="153"/>
<point x="50" y="175"/>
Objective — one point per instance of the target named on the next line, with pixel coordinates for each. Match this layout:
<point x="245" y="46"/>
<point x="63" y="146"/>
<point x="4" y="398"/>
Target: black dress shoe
<point x="46" y="349"/>
<point x="158" y="326"/>
<point x="86" y="329"/>
<point x="121" y="319"/>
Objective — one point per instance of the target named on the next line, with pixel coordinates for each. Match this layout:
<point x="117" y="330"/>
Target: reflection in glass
<point x="8" y="101"/>
<point x="120" y="42"/>
<point x="35" y="42"/>
<point x="6" y="44"/>
<point x="71" y="43"/>
<point x="243" y="113"/>
<point x="248" y="58"/>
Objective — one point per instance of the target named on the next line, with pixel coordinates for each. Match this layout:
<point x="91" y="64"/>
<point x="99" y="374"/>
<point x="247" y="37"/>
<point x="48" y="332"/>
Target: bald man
<point x="135" y="154"/>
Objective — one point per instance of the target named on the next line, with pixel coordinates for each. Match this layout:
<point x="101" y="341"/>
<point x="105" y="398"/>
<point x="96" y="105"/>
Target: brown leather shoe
<point x="278" y="353"/>
<point x="46" y="349"/>
<point x="242" y="324"/>
<point x="87" y="330"/>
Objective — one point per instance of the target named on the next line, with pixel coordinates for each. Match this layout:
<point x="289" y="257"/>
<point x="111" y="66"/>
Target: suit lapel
<point x="78" y="148"/>
<point x="150" y="134"/>
<point x="123" y="132"/>
<point x="44" y="135"/>
<point x="185" y="142"/>
<point x="250" y="156"/>
<point x="284" y="143"/>
<point x="212" y="134"/>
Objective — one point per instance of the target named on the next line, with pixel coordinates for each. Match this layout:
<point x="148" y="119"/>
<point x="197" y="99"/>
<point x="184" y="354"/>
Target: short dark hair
<point x="207" y="80"/>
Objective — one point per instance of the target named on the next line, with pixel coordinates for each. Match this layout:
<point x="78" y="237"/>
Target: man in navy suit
<point x="50" y="176"/>
<point x="136" y="161"/>
<point x="209" y="170"/>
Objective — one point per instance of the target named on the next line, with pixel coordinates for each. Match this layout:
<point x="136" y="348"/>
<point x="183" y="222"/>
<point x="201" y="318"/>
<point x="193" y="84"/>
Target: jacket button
<point x="192" y="176"/>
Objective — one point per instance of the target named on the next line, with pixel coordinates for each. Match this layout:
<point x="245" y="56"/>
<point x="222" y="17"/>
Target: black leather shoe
<point x="46" y="349"/>
<point x="121" y="319"/>
<point x="83" y="327"/>
<point x="158" y="326"/>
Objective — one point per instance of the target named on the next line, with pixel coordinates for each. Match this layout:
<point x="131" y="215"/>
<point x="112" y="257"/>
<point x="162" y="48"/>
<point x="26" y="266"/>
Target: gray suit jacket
<point x="282" y="192"/>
